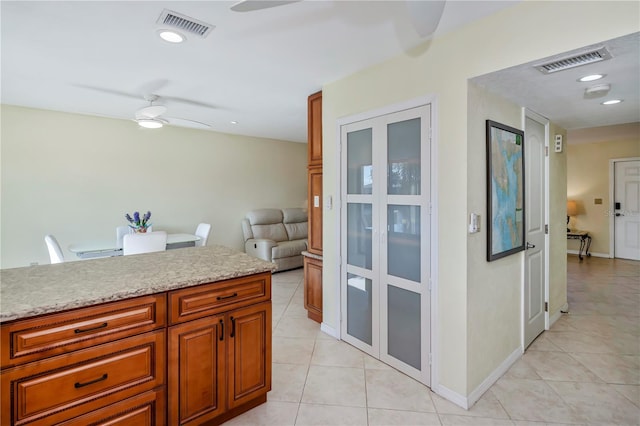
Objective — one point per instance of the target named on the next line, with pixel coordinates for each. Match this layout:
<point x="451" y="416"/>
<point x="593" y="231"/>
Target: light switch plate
<point x="558" y="143"/>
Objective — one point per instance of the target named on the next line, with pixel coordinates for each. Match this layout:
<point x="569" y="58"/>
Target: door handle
<point x="619" y="214"/>
<point x="529" y="245"/>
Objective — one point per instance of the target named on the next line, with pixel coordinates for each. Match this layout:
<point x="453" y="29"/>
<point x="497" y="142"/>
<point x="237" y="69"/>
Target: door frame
<point x="527" y="113"/>
<point x="612" y="177"/>
<point x="431" y="100"/>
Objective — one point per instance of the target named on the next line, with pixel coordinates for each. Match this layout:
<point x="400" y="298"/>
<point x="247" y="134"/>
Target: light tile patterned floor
<point x="585" y="370"/>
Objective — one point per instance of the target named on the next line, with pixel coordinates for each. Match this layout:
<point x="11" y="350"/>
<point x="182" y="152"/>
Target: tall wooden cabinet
<point x="313" y="256"/>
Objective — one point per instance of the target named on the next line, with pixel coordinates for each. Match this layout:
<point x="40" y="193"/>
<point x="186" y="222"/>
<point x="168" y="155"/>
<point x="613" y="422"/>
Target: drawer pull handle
<point x="221" y="330"/>
<point x="233" y="327"/>
<point x="80" y="330"/>
<point x="227" y="297"/>
<point x="79" y="385"/>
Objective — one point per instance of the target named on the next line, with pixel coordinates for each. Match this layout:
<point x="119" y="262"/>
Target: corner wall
<point x="75" y="176"/>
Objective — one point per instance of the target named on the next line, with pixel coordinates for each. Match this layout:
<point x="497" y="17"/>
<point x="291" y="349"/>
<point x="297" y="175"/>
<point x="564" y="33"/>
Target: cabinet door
<point x="196" y="387"/>
<point x="314" y="116"/>
<point x="315" y="210"/>
<point x="313" y="288"/>
<point x="249" y="353"/>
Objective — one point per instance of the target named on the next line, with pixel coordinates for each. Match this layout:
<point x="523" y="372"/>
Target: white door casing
<point x="534" y="287"/>
<point x="626" y="209"/>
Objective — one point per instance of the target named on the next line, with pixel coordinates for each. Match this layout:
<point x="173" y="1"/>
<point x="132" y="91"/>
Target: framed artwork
<point x="505" y="190"/>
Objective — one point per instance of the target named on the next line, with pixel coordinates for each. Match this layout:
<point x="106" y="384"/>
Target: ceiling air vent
<point x="184" y="23"/>
<point x="590" y="57"/>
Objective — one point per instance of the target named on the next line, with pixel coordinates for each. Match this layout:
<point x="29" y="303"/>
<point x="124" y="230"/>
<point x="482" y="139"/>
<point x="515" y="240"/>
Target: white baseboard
<point x="475" y="395"/>
<point x="327" y="329"/>
<point x="605" y="255"/>
<point x="555" y="317"/>
<point x="452" y="396"/>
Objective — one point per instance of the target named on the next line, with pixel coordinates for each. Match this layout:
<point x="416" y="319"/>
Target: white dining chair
<point x="203" y="231"/>
<point x="121" y="231"/>
<point x="148" y="242"/>
<point x="55" y="252"/>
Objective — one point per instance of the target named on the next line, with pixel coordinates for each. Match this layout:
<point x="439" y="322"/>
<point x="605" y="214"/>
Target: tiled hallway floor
<point x="585" y="370"/>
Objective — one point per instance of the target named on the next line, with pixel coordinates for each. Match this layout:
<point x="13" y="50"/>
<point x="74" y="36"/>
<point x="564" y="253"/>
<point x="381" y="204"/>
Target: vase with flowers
<point x="137" y="223"/>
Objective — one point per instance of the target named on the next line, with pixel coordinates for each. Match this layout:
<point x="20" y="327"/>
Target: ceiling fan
<point x="424" y="15"/>
<point x="152" y="116"/>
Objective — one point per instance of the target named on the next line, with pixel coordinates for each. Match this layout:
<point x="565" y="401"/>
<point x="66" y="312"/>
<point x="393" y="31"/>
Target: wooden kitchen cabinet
<point x="313" y="256"/>
<point x="197" y="355"/>
<point x="219" y="365"/>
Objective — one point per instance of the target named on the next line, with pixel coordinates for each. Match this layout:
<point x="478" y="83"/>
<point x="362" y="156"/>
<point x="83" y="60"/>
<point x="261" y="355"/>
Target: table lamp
<point x="572" y="210"/>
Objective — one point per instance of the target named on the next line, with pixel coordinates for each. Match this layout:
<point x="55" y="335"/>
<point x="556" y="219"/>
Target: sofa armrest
<point x="260" y="248"/>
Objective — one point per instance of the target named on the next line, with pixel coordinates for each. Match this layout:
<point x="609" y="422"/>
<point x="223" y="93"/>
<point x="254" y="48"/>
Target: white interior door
<point x="535" y="226"/>
<point x="385" y="230"/>
<point x="627" y="209"/>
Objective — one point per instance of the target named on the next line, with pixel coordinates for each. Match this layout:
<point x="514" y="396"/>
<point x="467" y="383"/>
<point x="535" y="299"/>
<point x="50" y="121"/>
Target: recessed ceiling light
<point x="171" y="36"/>
<point x="150" y="123"/>
<point x="612" y="102"/>
<point x="591" y="77"/>
<point x="234" y="122"/>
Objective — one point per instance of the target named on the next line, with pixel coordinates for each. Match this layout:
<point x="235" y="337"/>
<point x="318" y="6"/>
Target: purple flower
<point x="136" y="218"/>
<point x="128" y="217"/>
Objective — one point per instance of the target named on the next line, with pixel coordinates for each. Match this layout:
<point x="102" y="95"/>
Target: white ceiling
<point x="256" y="68"/>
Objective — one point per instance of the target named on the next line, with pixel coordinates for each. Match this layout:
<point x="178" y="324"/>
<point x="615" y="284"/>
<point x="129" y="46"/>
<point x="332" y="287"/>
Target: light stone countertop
<point x="37" y="290"/>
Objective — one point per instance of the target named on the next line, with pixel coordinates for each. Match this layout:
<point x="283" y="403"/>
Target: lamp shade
<point x="572" y="208"/>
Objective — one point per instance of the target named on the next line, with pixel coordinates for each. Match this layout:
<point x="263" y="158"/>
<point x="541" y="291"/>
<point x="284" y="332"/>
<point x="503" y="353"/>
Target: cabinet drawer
<point x="66" y="386"/>
<point x="147" y="409"/>
<point x="210" y="299"/>
<point x="45" y="336"/>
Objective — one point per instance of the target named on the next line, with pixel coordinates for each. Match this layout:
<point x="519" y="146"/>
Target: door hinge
<point x="546" y="306"/>
<point x="429" y="287"/>
<point x="430" y="358"/>
<point x="546" y="229"/>
<point x="546" y="151"/>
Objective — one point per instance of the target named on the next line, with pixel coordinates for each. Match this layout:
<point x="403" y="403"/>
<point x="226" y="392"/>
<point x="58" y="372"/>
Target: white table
<point x="94" y="249"/>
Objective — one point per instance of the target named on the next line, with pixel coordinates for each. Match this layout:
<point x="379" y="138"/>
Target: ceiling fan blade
<point x="109" y="91"/>
<point x="251" y="5"/>
<point x="189" y="101"/>
<point x="184" y="122"/>
<point x="425" y="15"/>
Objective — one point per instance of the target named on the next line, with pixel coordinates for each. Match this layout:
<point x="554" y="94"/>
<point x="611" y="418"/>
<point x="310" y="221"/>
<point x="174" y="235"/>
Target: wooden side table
<point x="585" y="241"/>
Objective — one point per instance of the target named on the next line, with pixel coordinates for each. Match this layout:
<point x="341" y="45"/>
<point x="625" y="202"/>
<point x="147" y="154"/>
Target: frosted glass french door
<point x="385" y="235"/>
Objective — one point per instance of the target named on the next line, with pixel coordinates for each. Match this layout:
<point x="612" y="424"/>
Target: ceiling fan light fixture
<point x="171" y="36"/>
<point x="612" y="102"/>
<point x="150" y="123"/>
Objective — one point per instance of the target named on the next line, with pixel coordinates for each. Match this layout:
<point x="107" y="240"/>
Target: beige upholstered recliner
<point x="278" y="236"/>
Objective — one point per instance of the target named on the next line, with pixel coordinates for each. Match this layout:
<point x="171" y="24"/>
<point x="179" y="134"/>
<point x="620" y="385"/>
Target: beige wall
<point x="440" y="69"/>
<point x="493" y="288"/>
<point x="588" y="179"/>
<point x="557" y="226"/>
<point x="76" y="176"/>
